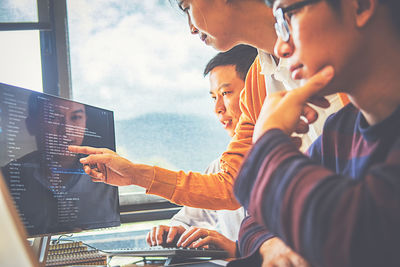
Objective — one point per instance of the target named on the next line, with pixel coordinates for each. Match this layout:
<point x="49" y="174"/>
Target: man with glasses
<point x="340" y="204"/>
<point x="221" y="24"/>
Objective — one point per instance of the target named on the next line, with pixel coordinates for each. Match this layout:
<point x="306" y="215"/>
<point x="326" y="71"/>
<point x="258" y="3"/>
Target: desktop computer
<point x="49" y="188"/>
<point x="51" y="192"/>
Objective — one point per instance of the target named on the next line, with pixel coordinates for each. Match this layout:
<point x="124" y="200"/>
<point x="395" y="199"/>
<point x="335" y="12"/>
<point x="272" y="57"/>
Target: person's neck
<point x="377" y="93"/>
<point x="256" y="30"/>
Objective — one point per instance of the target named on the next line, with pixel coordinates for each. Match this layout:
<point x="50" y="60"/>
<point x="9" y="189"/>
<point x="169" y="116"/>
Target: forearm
<point x="215" y="191"/>
<point x="208" y="191"/>
<point x="331" y="219"/>
<point x="251" y="237"/>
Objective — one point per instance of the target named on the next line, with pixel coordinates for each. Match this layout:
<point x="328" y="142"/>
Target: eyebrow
<point x="78" y="111"/>
<point x="297" y="5"/>
<point x="180" y="4"/>
<point x="222" y="86"/>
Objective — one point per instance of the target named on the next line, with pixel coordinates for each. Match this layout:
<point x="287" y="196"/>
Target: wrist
<point x="142" y="175"/>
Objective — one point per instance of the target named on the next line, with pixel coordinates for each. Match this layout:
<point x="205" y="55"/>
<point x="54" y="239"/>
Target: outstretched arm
<point x="212" y="191"/>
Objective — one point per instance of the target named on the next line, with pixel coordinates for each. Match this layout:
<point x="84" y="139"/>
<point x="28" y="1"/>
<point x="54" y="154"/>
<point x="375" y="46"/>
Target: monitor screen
<point x="51" y="192"/>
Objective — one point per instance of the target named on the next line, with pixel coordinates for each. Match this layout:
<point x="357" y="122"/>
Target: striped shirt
<point x="338" y="206"/>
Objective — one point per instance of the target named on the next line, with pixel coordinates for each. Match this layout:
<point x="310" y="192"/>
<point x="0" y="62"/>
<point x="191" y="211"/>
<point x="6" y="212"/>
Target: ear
<point x="364" y="10"/>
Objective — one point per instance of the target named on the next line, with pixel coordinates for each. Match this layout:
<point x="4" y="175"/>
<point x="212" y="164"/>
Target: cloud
<point x="18" y="10"/>
<point x="20" y="59"/>
<point x="136" y="58"/>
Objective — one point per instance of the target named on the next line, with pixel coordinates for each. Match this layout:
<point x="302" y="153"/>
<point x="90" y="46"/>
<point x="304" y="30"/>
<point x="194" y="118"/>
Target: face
<point x="225" y="88"/>
<point x="211" y="20"/>
<point x="67" y="122"/>
<point x="317" y="35"/>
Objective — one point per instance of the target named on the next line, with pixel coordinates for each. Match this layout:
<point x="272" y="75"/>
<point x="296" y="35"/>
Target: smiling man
<point x="199" y="227"/>
<point x="340" y="204"/>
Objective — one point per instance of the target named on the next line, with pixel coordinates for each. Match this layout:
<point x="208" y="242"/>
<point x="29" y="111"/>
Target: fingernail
<point x="328" y="72"/>
<point x="83" y="160"/>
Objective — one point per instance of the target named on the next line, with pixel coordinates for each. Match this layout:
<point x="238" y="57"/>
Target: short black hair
<point x="240" y="56"/>
<point x="334" y="3"/>
<point x="393" y="5"/>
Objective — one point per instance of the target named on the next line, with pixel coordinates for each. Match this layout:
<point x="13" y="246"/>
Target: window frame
<point x="56" y="79"/>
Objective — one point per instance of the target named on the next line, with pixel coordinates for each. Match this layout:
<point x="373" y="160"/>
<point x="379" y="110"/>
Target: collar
<point x="269" y="67"/>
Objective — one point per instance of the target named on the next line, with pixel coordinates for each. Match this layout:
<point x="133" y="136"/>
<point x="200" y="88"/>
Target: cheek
<point x="309" y="47"/>
<point x="234" y="108"/>
<point x="197" y="16"/>
<point x="317" y="43"/>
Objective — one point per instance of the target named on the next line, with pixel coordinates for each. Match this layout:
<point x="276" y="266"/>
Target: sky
<point x="137" y="57"/>
<point x="131" y="56"/>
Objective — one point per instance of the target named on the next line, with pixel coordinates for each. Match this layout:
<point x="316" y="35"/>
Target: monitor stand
<point x="40" y="248"/>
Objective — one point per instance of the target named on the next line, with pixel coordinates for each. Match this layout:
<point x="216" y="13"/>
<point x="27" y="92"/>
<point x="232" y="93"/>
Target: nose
<point x="283" y="49"/>
<point x="62" y="127"/>
<point x="193" y="29"/>
<point x="219" y="105"/>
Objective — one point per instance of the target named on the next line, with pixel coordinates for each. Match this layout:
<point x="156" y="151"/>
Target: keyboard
<point x="74" y="253"/>
<point x="173" y="254"/>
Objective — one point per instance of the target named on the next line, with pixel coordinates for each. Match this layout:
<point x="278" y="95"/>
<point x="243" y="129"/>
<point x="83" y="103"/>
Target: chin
<point x="221" y="46"/>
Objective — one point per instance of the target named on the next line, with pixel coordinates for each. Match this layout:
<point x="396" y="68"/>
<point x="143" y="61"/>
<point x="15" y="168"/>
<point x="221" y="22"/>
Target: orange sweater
<point x="215" y="191"/>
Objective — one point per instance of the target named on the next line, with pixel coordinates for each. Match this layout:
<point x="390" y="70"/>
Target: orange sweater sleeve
<point x="215" y="191"/>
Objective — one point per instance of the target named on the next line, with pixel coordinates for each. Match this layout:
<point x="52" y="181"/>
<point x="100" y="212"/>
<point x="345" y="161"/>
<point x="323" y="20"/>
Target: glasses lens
<point x="281" y="26"/>
<point x="285" y="34"/>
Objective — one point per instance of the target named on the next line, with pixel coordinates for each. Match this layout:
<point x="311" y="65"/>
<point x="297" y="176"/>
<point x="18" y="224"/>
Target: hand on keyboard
<point x="165" y="236"/>
<point x="195" y="237"/>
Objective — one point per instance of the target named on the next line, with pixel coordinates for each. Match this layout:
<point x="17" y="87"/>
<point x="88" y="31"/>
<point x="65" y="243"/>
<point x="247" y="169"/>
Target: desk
<point x="134" y="261"/>
<point x="213" y="263"/>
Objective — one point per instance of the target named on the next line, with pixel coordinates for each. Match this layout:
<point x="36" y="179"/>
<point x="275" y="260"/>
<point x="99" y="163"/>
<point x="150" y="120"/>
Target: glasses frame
<point x="282" y="22"/>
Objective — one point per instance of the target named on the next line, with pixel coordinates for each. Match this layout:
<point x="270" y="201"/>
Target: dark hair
<point x="240" y="56"/>
<point x="393" y="5"/>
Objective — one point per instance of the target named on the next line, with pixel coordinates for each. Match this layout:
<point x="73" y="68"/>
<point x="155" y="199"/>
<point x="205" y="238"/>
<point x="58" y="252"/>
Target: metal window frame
<point x="53" y="27"/>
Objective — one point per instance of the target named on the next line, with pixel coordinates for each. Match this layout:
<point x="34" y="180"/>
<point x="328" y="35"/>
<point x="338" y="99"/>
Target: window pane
<point x="140" y="60"/>
<point x="20" y="62"/>
<point x="18" y="11"/>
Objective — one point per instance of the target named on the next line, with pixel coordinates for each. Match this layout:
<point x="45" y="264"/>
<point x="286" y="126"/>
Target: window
<point x="139" y="59"/>
<point x="18" y="11"/>
<point x="136" y="58"/>
<point x="20" y="50"/>
<point x="20" y="63"/>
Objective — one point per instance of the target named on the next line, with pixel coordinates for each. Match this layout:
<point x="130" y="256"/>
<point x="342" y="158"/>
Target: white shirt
<point x="227" y="222"/>
<point x="278" y="78"/>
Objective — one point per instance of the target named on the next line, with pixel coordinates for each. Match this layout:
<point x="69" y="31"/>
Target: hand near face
<point x="163" y="235"/>
<point x="283" y="110"/>
<point x="274" y="252"/>
<point x="104" y="165"/>
<point x="195" y="237"/>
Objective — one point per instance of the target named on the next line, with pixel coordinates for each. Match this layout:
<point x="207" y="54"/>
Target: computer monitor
<point x="51" y="192"/>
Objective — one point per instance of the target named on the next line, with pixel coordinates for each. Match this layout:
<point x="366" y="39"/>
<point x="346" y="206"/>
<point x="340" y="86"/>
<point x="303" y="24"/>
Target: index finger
<point x="86" y="149"/>
<point x="172" y="233"/>
<point x="315" y="84"/>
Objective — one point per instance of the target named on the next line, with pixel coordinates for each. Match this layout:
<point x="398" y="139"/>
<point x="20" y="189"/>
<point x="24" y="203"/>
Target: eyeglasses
<point x="283" y="19"/>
